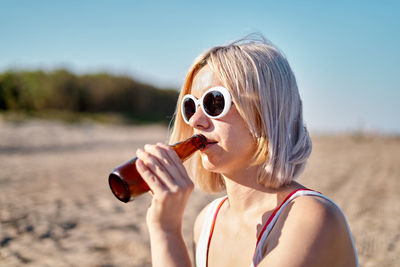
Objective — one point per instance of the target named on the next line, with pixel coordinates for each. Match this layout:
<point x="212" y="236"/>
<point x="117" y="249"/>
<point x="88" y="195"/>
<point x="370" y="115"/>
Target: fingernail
<point x="139" y="151"/>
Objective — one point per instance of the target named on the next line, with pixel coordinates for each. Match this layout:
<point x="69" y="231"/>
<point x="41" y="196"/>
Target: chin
<point x="209" y="164"/>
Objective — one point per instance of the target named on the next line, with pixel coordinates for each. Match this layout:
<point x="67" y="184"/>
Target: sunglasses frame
<point x="200" y="102"/>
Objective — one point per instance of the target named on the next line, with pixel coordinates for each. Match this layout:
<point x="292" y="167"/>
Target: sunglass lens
<point x="214" y="103"/>
<point x="189" y="108"/>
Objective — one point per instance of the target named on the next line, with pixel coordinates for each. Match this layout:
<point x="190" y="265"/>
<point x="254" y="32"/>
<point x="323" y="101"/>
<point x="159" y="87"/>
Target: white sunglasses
<point x="215" y="103"/>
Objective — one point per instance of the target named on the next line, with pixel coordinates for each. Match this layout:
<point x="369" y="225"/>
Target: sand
<point x="56" y="208"/>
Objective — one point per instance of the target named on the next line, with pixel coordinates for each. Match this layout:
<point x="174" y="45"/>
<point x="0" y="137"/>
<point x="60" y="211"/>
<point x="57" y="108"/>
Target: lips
<point x="209" y="143"/>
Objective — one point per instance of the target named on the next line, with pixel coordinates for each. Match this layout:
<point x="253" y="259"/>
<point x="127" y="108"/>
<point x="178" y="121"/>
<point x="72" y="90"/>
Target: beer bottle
<point x="125" y="181"/>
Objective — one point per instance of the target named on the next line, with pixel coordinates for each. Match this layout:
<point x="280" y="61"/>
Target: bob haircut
<point x="265" y="93"/>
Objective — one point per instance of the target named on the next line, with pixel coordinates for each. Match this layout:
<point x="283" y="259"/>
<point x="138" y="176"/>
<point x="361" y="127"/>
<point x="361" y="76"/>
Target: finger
<point x="160" y="167"/>
<point x="172" y="167"/>
<point x="149" y="161"/>
<point x="175" y="159"/>
<point x="177" y="162"/>
<point x="155" y="184"/>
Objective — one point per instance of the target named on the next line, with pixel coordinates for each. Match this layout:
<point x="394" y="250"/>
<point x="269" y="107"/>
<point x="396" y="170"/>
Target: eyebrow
<point x="198" y="92"/>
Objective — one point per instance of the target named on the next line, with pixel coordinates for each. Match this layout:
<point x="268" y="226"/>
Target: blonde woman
<point x="243" y="97"/>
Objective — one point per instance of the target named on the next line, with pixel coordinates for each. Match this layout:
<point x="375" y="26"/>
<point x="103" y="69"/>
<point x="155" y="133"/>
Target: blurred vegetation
<point x="62" y="92"/>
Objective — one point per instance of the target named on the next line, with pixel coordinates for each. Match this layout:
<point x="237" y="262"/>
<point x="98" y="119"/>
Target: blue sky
<point x="345" y="54"/>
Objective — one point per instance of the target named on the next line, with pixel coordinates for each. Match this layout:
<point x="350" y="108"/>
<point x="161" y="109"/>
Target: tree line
<point x="102" y="92"/>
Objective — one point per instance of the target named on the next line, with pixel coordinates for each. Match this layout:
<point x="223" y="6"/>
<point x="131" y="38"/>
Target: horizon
<point x="344" y="55"/>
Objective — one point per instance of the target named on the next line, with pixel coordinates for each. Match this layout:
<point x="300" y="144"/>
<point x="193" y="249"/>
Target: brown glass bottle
<point x="125" y="181"/>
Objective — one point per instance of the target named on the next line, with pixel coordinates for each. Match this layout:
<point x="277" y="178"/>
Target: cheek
<point x="243" y="143"/>
<point x="239" y="142"/>
<point x="236" y="146"/>
<point x="235" y="151"/>
<point x="237" y="134"/>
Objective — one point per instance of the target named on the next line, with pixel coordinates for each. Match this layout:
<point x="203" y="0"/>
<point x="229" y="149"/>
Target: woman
<point x="243" y="97"/>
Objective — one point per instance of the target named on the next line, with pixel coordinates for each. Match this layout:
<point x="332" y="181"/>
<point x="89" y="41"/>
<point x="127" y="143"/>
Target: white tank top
<point x="211" y="215"/>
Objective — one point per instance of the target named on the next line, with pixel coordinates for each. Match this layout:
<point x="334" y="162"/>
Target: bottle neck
<point x="187" y="147"/>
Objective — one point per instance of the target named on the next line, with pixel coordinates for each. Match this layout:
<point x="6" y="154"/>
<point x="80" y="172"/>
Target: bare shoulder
<point x="317" y="211"/>
<point x="311" y="231"/>
<point x="320" y="221"/>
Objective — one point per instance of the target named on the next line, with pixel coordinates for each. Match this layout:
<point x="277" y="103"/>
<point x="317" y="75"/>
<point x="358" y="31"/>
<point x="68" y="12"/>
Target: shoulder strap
<point x="271" y="222"/>
<point x="207" y="231"/>
<point x="258" y="253"/>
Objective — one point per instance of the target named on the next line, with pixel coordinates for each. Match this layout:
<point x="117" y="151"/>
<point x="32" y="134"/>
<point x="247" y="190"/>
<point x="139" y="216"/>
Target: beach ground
<point x="56" y="208"/>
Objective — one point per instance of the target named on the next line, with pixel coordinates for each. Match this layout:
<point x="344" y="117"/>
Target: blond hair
<point x="265" y="93"/>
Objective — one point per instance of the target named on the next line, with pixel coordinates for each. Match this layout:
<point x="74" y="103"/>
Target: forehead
<point x="204" y="79"/>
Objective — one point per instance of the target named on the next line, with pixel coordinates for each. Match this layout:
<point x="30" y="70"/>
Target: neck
<point x="246" y="196"/>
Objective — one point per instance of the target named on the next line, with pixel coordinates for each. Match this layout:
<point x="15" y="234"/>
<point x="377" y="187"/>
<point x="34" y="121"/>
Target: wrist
<point x="165" y="236"/>
<point x="157" y="228"/>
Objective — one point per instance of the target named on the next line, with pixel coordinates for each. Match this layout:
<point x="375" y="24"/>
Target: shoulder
<point x="315" y="210"/>
<point x="319" y="219"/>
<point x="312" y="231"/>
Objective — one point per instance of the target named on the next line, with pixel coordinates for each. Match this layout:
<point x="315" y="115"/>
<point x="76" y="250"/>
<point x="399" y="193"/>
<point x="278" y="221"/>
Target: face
<point x="234" y="144"/>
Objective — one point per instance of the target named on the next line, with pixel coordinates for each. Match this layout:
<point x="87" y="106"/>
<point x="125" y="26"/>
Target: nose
<point x="199" y="120"/>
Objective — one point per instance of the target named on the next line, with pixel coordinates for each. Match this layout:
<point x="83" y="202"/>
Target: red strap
<point x="213" y="225"/>
<point x="275" y="211"/>
<point x="264" y="227"/>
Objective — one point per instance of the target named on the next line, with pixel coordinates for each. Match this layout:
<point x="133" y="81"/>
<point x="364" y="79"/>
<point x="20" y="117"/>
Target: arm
<point x="171" y="187"/>
<point x="311" y="232"/>
<point x="168" y="249"/>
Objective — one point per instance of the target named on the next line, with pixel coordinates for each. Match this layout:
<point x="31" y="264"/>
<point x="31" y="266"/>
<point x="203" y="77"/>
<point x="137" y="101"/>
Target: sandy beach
<point x="56" y="208"/>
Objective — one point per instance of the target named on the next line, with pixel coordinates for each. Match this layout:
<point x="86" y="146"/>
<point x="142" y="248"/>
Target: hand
<point x="169" y="183"/>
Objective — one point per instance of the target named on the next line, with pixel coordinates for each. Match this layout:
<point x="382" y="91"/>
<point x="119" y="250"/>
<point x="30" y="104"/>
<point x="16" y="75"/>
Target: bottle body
<point x="125" y="181"/>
